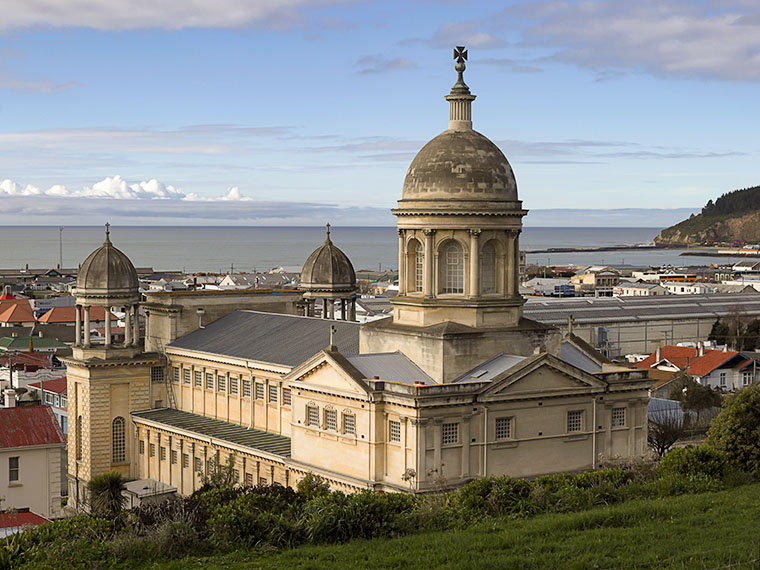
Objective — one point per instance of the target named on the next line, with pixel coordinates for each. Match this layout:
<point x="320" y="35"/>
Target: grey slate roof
<point x="219" y="430"/>
<point x="491" y="368"/>
<point x="389" y="366"/>
<point x="270" y="337"/>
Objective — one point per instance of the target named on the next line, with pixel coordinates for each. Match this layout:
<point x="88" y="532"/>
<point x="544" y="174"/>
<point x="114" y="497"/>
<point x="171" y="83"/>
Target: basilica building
<point x="455" y="385"/>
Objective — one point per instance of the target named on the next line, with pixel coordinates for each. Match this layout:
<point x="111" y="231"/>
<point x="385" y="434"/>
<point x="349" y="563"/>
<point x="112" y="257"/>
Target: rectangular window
<point x="247" y="388"/>
<point x="186" y="376"/>
<point x="175" y="374"/>
<point x="236" y="474"/>
<point x="221" y="383"/>
<point x="574" y="421"/>
<point x="331" y="420"/>
<point x="163" y="453"/>
<point x="259" y="391"/>
<point x="249" y="479"/>
<point x="48" y="398"/>
<point x="394" y="431"/>
<point x="449" y="434"/>
<point x="13" y="469"/>
<point x="233" y="384"/>
<point x="722" y="378"/>
<point x="174" y="457"/>
<point x="286" y="396"/>
<point x="64" y="401"/>
<point x="209" y="381"/>
<point x="152" y="449"/>
<point x="618" y="417"/>
<point x="263" y="481"/>
<point x="746" y="378"/>
<point x="141" y="445"/>
<point x="503" y="428"/>
<point x="156" y="374"/>
<point x="273" y="394"/>
<point x="198" y="464"/>
<point x="198" y="378"/>
<point x="312" y="416"/>
<point x="349" y="424"/>
<point x="185" y="460"/>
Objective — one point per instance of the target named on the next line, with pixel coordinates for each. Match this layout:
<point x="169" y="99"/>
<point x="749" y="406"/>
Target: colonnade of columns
<point x="406" y="261"/>
<point x="131" y="326"/>
<point x="337" y="309"/>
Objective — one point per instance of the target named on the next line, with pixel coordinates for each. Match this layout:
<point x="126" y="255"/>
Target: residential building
<point x="53" y="393"/>
<point x="639" y="290"/>
<point x="687" y="288"/>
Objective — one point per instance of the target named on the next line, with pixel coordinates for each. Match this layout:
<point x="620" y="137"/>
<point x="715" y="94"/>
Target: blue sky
<point x="253" y="111"/>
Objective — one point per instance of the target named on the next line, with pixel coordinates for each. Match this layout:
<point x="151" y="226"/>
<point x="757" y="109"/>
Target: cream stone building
<point x="455" y="385"/>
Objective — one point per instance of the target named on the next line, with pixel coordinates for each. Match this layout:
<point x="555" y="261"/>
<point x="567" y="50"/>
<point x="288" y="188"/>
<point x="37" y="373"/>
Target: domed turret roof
<point x="107" y="272"/>
<point x="328" y="269"/>
<point x="460" y="164"/>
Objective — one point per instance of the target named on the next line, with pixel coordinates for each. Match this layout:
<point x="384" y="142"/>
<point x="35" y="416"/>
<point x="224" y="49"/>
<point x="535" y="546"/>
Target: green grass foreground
<point x="707" y="530"/>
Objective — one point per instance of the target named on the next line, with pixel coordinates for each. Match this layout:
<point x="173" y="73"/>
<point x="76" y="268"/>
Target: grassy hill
<point x="707" y="530"/>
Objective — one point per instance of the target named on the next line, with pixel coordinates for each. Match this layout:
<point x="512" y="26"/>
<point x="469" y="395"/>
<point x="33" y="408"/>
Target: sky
<point x="304" y="111"/>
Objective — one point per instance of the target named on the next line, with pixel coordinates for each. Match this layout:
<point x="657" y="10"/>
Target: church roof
<point x="270" y="337"/>
<point x="219" y="430"/>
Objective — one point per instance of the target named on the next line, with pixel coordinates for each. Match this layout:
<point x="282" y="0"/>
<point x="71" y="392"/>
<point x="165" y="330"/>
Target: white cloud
<point x="151" y="14"/>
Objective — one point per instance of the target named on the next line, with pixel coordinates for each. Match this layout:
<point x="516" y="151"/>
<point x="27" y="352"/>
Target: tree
<point x="220" y="475"/>
<point x="693" y="396"/>
<point x="665" y="428"/>
<point x="107" y="494"/>
<point x="720" y="332"/>
<point x="736" y="430"/>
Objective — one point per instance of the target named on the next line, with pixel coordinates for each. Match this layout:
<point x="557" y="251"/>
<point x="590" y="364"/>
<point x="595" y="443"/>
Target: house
<point x="19" y="369"/>
<point x="598" y="281"/>
<point x="31" y="448"/>
<point x="687" y="288"/>
<point x="15" y="312"/>
<point x="747" y="266"/>
<point x="550" y="287"/>
<point x="639" y="290"/>
<point x="18" y="521"/>
<point x="67" y="315"/>
<point x="53" y="393"/>
<point x="38" y="343"/>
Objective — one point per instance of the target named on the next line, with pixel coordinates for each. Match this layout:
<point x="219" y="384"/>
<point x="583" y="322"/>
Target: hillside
<point x="735" y="216"/>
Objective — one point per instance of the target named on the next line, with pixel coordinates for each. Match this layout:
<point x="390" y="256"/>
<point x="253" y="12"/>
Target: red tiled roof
<point x="11" y="520"/>
<point x="69" y="315"/>
<point x="12" y="312"/>
<point x="27" y="426"/>
<point x="685" y="358"/>
<point x="57" y="385"/>
<point x="31" y="360"/>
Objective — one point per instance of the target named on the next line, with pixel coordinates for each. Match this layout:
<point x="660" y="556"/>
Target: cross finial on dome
<point x="327" y="238"/>
<point x="108" y="232"/>
<point x="460" y="98"/>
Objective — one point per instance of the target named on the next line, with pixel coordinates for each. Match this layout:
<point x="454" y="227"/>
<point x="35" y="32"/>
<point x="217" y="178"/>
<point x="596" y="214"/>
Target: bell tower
<point x="108" y="374"/>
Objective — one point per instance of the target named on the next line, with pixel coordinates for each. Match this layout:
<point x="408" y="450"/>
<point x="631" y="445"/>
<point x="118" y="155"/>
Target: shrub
<point x="694" y="461"/>
<point x="736" y="430"/>
<point x="107" y="494"/>
<point x="312" y="486"/>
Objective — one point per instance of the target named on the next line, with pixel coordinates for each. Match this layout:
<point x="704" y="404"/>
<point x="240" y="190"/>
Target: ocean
<point x="262" y="248"/>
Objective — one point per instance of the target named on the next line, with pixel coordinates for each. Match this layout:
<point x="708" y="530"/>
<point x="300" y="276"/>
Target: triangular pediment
<point x="330" y="371"/>
<point x="543" y="375"/>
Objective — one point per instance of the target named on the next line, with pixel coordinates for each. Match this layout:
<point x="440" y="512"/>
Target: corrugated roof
<point x="23" y="518"/>
<point x="57" y="385"/>
<point x="491" y="368"/>
<point x="269" y="337"/>
<point x="685" y="357"/>
<point x="389" y="366"/>
<point x="220" y="430"/>
<point x="25" y="426"/>
<point x="22" y="342"/>
<point x="69" y="315"/>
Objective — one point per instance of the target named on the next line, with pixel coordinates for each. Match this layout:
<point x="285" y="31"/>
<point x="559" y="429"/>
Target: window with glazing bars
<point x="198" y="464"/>
<point x="249" y="479"/>
<point x="156" y="374"/>
<point x="449" y="434"/>
<point x="618" y="417"/>
<point x="574" y="421"/>
<point x="118" y="440"/>
<point x="394" y="431"/>
<point x="209" y="381"/>
<point x="221" y="383"/>
<point x="198" y="378"/>
<point x="163" y="453"/>
<point x="331" y="419"/>
<point x="13" y="468"/>
<point x="273" y="394"/>
<point x="503" y="428"/>
<point x="152" y="449"/>
<point x="453" y="269"/>
<point x="185" y="460"/>
<point x="286" y="398"/>
<point x="186" y="376"/>
<point x="236" y="474"/>
<point x="233" y="384"/>
<point x="259" y="391"/>
<point x="312" y="416"/>
<point x="141" y="446"/>
<point x="175" y="456"/>
<point x="175" y="374"/>
<point x="349" y="424"/>
<point x="419" y="266"/>
<point x="247" y="388"/>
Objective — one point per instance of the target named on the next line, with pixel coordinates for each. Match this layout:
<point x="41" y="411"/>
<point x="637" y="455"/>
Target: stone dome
<point x="107" y="272"/>
<point x="461" y="165"/>
<point x="328" y="269"/>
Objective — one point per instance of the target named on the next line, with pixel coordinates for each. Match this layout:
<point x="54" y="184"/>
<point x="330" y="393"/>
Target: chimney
<point x="658" y="354"/>
<point x="700" y="348"/>
<point x="569" y="325"/>
<point x="10" y="398"/>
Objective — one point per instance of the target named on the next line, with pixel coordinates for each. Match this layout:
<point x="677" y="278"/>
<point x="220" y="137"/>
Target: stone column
<point x="427" y="277"/>
<point x="401" y="262"/>
<point x="108" y="326"/>
<point x="136" y="324"/>
<point x="127" y="325"/>
<point x="343" y="310"/>
<point x="511" y="262"/>
<point x="516" y="257"/>
<point x="324" y="308"/>
<point x="78" y="341"/>
<point x="87" y="326"/>
<point x="474" y="263"/>
<point x="352" y="314"/>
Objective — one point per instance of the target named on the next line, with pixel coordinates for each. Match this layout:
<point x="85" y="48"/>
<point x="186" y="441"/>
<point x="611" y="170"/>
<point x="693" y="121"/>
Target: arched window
<point x="452" y="265"/>
<point x="79" y="437"/>
<point x="416" y="265"/>
<point x="118" y="439"/>
<point x="488" y="268"/>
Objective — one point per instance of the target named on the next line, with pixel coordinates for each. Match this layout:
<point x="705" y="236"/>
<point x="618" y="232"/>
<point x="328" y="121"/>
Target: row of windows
<point x="57" y="400"/>
<point x="219" y="381"/>
<point x="452" y="267"/>
<point x="330" y="419"/>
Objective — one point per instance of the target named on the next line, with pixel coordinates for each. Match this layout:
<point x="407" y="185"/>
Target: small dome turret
<point x="107" y="272"/>
<point x="328" y="269"/>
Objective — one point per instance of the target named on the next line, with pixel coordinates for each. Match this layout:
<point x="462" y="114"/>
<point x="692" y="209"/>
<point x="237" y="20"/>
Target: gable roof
<point x="685" y="358"/>
<point x="22" y="342"/>
<point x="57" y="385"/>
<point x="270" y="337"/>
<point x="30" y="360"/>
<point x="26" y="426"/>
<point x="68" y="315"/>
<point x="488" y="370"/>
<point x="19" y="519"/>
<point x="389" y="367"/>
<point x="12" y="312"/>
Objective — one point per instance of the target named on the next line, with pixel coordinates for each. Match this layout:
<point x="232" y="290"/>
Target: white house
<point x="686" y="288"/>
<point x="639" y="290"/>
